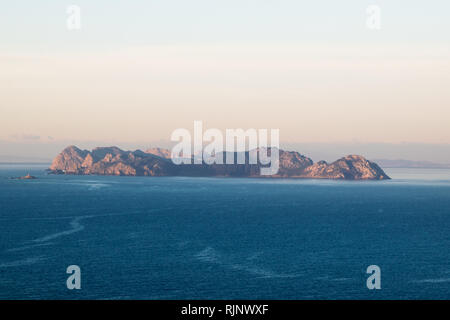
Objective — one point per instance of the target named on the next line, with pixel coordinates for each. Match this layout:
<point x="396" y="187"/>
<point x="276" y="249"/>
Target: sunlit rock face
<point x="352" y="167"/>
<point x="157" y="162"/>
<point x="110" y="161"/>
<point x="160" y="152"/>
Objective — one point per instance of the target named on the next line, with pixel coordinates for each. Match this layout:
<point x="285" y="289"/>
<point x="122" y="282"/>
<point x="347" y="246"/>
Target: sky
<point x="137" y="70"/>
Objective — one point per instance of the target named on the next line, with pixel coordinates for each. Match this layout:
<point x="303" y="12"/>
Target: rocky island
<point x="157" y="162"/>
<point x="26" y="177"/>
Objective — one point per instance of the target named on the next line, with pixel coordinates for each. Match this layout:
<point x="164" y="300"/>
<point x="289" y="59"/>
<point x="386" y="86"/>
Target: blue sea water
<point x="214" y="238"/>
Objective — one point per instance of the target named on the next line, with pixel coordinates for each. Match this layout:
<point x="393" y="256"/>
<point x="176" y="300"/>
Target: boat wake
<point x="75" y="224"/>
<point x="29" y="247"/>
<point x="23" y="262"/>
<point x="438" y="280"/>
<point x="210" y="255"/>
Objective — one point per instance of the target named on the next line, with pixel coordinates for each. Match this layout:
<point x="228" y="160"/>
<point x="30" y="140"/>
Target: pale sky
<point x="137" y="70"/>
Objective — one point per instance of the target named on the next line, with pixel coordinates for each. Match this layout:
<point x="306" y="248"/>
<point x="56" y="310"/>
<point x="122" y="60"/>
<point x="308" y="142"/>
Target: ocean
<point x="224" y="238"/>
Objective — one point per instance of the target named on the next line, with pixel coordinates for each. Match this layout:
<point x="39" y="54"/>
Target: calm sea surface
<point x="213" y="238"/>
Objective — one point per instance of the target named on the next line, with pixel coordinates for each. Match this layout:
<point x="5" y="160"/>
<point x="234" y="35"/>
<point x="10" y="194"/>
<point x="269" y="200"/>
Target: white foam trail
<point x="23" y="262"/>
<point x="29" y="247"/>
<point x="263" y="273"/>
<point x="95" y="186"/>
<point x="341" y="279"/>
<point x="210" y="255"/>
<point x="76" y="227"/>
<point x="438" y="280"/>
<point x="75" y="224"/>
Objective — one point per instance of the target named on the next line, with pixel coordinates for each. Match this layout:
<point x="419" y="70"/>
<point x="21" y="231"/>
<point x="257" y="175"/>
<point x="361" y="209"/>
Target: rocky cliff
<point x="160" y="152"/>
<point x="156" y="162"/>
<point x="110" y="161"/>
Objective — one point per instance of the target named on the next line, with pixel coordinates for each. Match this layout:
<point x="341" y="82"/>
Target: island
<point x="27" y="177"/>
<point x="157" y="162"/>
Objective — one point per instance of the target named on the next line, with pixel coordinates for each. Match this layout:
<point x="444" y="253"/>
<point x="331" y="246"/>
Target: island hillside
<point x="157" y="162"/>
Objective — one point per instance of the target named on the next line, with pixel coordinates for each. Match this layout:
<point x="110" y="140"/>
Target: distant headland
<point x="157" y="162"/>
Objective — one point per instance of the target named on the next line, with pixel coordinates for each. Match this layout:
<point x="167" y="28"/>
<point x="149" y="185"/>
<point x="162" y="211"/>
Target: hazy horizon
<point x="44" y="152"/>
